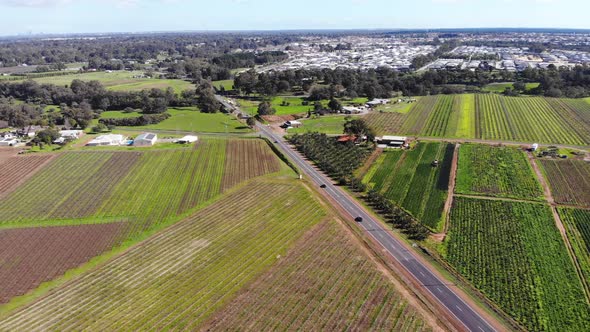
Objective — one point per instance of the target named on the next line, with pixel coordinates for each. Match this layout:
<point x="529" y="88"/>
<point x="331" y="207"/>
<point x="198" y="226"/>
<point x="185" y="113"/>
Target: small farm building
<point x="187" y="139"/>
<point x="71" y="134"/>
<point x="376" y="102"/>
<point x="392" y="141"/>
<point x="145" y="139"/>
<point x="110" y="139"/>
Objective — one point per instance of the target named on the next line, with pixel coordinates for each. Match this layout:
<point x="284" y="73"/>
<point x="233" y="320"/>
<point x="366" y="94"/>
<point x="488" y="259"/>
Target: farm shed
<point x="145" y="139"/>
<point x="392" y="141"/>
<point x="72" y="134"/>
<point x="376" y="102"/>
<point x="187" y="139"/>
<point x="105" y="140"/>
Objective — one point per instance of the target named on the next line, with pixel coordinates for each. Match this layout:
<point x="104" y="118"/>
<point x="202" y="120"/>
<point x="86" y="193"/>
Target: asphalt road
<point x="406" y="258"/>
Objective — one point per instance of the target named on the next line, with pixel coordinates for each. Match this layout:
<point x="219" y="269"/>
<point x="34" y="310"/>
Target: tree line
<point x="385" y="82"/>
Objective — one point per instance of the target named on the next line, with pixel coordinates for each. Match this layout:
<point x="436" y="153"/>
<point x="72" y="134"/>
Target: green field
<point x="491" y="117"/>
<point x="514" y="254"/>
<point x="496" y="171"/>
<point x="500" y="87"/>
<point x="329" y="124"/>
<point x="190" y="119"/>
<point x="409" y="179"/>
<point x="295" y="105"/>
<point x="119" y="81"/>
<point x="226" y="84"/>
<point x="178" y="278"/>
<point x="577" y="225"/>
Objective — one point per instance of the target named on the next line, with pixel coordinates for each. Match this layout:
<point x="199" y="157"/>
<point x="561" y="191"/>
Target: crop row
<point x="529" y="119"/>
<point x="44" y="192"/>
<point x="577" y="224"/>
<point x="338" y="160"/>
<point x="180" y="276"/>
<point x="418" y="115"/>
<point x="324" y="283"/>
<point x="515" y="255"/>
<point x="31" y="256"/>
<point x="443" y="119"/>
<point x="569" y="181"/>
<point x="410" y="180"/>
<point x="246" y="159"/>
<point x="496" y="171"/>
<point x="386" y="122"/>
<point x="16" y="168"/>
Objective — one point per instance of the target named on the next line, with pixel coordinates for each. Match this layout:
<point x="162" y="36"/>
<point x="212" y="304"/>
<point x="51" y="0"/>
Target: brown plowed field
<point x="569" y="181"/>
<point x="246" y="159"/>
<point x="30" y="256"/>
<point x="16" y="169"/>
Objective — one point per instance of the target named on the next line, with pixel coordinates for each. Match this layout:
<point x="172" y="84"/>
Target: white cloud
<point x="33" y="3"/>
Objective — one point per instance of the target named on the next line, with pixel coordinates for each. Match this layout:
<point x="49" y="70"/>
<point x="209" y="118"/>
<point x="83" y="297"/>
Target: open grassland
<point x="569" y="181"/>
<point x="325" y="282"/>
<point x="496" y="171"/>
<point x="179" y="277"/>
<point x="514" y="254"/>
<point x="577" y="225"/>
<point x="325" y="124"/>
<point x="14" y="169"/>
<point x="119" y="81"/>
<point x="500" y="87"/>
<point x="226" y="84"/>
<point x="30" y="256"/>
<point x="409" y="179"/>
<point x="191" y="119"/>
<point x="289" y="105"/>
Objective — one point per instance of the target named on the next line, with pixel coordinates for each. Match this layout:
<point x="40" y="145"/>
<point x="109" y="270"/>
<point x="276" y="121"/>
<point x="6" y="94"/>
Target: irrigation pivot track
<point x="447" y="297"/>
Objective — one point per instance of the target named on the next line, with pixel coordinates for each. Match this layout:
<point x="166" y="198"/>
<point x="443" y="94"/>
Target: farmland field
<point x="140" y="185"/>
<point x="324" y="282"/>
<point x="325" y="124"/>
<point x="496" y="171"/>
<point x="240" y="165"/>
<point x="569" y="181"/>
<point x="191" y="119"/>
<point x="179" y="277"/>
<point x="515" y="255"/>
<point x="30" y="256"/>
<point x="385" y="123"/>
<point x="119" y="81"/>
<point x="491" y="117"/>
<point x="577" y="224"/>
<point x="409" y="179"/>
<point x="14" y="169"/>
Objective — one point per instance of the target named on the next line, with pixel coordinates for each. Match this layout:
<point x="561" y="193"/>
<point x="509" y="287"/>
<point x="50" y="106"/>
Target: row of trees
<point x="386" y="82"/>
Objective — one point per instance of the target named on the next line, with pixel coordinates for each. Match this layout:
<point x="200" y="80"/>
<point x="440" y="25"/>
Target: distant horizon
<point x="304" y="30"/>
<point x="22" y="17"/>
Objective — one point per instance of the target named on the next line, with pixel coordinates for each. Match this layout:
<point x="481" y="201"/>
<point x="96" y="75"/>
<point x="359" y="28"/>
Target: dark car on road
<point x="322" y="186"/>
<point x="358" y="219"/>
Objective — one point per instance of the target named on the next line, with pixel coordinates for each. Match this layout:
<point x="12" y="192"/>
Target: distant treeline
<point x="385" y="82"/>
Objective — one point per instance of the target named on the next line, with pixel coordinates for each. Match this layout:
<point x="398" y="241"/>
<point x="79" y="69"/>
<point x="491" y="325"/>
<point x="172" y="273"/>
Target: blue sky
<point x="66" y="16"/>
